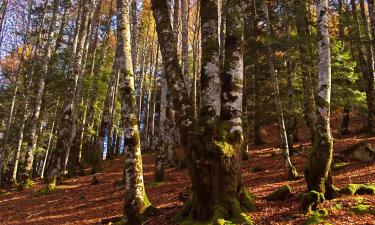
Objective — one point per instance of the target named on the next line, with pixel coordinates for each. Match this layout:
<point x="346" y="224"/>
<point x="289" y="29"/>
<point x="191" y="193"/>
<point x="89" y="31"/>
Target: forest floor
<point x="77" y="201"/>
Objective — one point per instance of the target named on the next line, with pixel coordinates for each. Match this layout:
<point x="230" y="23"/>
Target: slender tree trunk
<point x="49" y="141"/>
<point x="185" y="40"/>
<point x="318" y="169"/>
<point x="291" y="171"/>
<point x="134" y="33"/>
<point x="162" y="140"/>
<point x="136" y="201"/>
<point x="28" y="86"/>
<point x="369" y="46"/>
<point x="29" y="157"/>
<point x="3" y="11"/>
<point x="302" y="24"/>
<point x="64" y="141"/>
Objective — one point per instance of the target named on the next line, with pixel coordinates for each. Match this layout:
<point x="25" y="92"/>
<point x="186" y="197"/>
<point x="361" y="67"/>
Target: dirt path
<point x="76" y="201"/>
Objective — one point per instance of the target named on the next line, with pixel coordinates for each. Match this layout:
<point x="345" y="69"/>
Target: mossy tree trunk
<point x="136" y="201"/>
<point x="318" y="169"/>
<point x="213" y="153"/>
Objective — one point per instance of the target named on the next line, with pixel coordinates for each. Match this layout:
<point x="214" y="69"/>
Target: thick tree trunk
<point x="136" y="201"/>
<point x="318" y="169"/>
<point x="214" y="166"/>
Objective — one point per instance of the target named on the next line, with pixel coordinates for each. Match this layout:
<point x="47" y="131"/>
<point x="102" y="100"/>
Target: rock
<point x="359" y="189"/>
<point x="280" y="194"/>
<point x="363" y="152"/>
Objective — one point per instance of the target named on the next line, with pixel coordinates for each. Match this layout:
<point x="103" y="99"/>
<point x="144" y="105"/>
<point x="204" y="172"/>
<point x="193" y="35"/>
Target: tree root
<point x="228" y="211"/>
<point x="311" y="200"/>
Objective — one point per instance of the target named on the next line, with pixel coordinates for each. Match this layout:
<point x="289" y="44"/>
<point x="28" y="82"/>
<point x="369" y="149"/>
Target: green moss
<point x="27" y="183"/>
<point x="51" y="187"/>
<point x="293" y="174"/>
<point x="256" y="169"/>
<point x="228" y="212"/>
<point x="359" y="189"/>
<point x="316" y="217"/>
<point x="339" y="166"/>
<point x="247" y="199"/>
<point x="336" y="207"/>
<point x="280" y="194"/>
<point x="362" y="209"/>
<point x="224" y="148"/>
<point x="154" y="184"/>
<point x="310" y="200"/>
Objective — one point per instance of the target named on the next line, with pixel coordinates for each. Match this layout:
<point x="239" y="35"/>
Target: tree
<point x="66" y="134"/>
<point x="136" y="201"/>
<point x="318" y="169"/>
<point x="303" y="30"/>
<point x="291" y="171"/>
<point x="213" y="161"/>
<point x="29" y="158"/>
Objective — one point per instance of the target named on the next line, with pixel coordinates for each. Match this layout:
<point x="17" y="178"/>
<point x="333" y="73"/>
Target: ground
<point x="77" y="201"/>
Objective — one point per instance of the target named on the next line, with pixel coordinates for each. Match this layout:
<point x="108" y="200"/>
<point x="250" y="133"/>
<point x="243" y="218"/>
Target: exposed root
<point x="311" y="200"/>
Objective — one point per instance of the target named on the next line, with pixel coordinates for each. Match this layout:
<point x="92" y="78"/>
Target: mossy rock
<point x="310" y="200"/>
<point x="362" y="209"/>
<point x="280" y="194"/>
<point x="360" y="189"/>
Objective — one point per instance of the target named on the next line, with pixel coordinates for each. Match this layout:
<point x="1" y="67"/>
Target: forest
<point x="191" y="112"/>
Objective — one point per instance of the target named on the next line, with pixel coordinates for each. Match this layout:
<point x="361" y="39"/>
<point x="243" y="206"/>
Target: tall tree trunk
<point x="136" y="201"/>
<point x="26" y="95"/>
<point x="214" y="168"/>
<point x="318" y="169"/>
<point x="49" y="141"/>
<point x="303" y="30"/>
<point x="162" y="140"/>
<point x="134" y="33"/>
<point x="29" y="156"/>
<point x="185" y="40"/>
<point x="104" y="125"/>
<point x="3" y="11"/>
<point x="291" y="171"/>
<point x="64" y="141"/>
<point x="369" y="46"/>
